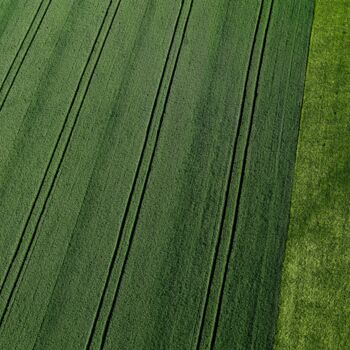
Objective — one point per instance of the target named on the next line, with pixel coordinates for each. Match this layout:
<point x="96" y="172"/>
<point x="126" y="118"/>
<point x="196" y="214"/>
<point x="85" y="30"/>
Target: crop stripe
<point x="129" y="243"/>
<point x="263" y="262"/>
<point x="227" y="190"/>
<point x="17" y="56"/>
<point x="234" y="228"/>
<point x="32" y="240"/>
<point x="131" y="193"/>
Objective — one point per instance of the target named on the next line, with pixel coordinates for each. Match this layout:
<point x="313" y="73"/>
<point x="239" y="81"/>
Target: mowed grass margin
<point x="315" y="309"/>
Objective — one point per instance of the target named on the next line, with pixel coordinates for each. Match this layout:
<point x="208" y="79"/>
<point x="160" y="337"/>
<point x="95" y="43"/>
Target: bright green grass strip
<point x="315" y="308"/>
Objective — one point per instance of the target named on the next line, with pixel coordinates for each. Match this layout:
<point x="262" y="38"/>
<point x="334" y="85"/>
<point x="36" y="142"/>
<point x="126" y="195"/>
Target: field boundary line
<point x="136" y="177"/>
<point x="229" y="178"/>
<point x="25" y="53"/>
<point x="297" y="137"/>
<point x="129" y="243"/>
<point x="245" y="156"/>
<point x="52" y="183"/>
<point x="277" y="160"/>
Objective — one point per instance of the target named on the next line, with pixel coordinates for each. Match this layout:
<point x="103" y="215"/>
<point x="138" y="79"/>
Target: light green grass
<point x="315" y="308"/>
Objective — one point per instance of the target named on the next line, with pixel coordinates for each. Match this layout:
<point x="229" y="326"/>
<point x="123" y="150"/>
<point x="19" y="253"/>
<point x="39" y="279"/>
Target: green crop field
<point x="147" y="156"/>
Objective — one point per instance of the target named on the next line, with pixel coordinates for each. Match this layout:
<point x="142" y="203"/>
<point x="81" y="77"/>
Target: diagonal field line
<point x="25" y="53"/>
<point x="231" y="167"/>
<point x="129" y="243"/>
<point x="236" y="214"/>
<point x="8" y="72"/>
<point x="61" y="159"/>
<point x="136" y="176"/>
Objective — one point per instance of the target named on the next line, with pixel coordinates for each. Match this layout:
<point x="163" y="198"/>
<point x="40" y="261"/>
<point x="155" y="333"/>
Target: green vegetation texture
<point x="315" y="308"/>
<point x="147" y="150"/>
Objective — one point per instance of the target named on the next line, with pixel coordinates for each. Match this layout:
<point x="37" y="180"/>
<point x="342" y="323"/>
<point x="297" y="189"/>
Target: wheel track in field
<point x="30" y="35"/>
<point x="80" y="90"/>
<point x="90" y="343"/>
<point x="229" y="178"/>
<point x="241" y="179"/>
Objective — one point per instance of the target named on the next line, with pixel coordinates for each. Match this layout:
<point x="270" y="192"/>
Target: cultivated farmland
<point x="147" y="151"/>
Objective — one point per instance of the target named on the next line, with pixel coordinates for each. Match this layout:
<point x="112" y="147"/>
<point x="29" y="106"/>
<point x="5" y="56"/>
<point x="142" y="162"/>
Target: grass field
<point x="146" y="167"/>
<point x="315" y="309"/>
